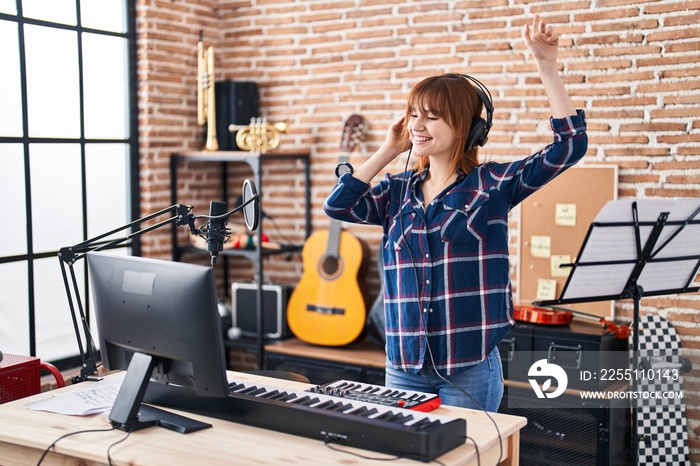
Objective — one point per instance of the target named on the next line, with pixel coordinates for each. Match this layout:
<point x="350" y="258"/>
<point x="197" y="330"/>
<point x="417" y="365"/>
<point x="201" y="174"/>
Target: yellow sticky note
<point x="541" y="246"/>
<point x="555" y="261"/>
<point x="565" y="215"/>
<point x="546" y="289"/>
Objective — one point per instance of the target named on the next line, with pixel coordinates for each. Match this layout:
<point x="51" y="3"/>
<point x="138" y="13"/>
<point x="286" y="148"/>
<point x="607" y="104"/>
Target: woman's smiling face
<point x="430" y="134"/>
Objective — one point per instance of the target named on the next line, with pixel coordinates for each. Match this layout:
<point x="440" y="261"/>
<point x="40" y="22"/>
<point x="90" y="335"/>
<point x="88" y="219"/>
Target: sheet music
<point x="648" y="210"/>
<point x="597" y="280"/>
<point x="659" y="276"/>
<point x="607" y="244"/>
<point x="619" y="243"/>
<point x="91" y="398"/>
<point x="686" y="243"/>
<point x="611" y="244"/>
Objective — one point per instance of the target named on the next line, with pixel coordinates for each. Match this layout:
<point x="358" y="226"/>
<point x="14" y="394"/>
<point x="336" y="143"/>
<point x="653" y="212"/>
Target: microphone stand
<point x="69" y="255"/>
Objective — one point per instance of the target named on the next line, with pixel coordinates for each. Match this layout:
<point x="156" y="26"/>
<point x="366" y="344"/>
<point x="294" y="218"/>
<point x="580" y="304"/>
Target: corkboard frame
<point x="589" y="188"/>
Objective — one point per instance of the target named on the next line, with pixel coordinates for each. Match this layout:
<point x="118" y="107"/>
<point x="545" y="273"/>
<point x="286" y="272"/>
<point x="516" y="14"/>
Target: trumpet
<point x="259" y="136"/>
<point x="206" y="100"/>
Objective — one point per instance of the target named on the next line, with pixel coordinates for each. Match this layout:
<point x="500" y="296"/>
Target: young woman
<point x="447" y="297"/>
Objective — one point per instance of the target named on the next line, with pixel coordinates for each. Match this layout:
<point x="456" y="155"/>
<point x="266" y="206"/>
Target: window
<point x="68" y="156"/>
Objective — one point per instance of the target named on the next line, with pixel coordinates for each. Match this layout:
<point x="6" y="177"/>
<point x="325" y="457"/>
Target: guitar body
<point x="328" y="307"/>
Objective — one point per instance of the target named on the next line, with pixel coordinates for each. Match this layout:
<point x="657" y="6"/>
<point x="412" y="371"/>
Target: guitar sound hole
<point x="330" y="267"/>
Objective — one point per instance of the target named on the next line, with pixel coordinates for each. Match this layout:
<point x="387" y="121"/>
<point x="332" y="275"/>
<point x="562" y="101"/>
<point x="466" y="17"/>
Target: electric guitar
<point x="328" y="307"/>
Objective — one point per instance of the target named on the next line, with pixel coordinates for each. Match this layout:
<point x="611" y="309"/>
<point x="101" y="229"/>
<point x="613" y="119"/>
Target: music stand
<point x="635" y="249"/>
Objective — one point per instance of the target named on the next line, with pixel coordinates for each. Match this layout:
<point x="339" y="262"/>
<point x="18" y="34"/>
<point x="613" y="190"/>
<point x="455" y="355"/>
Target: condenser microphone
<point x="216" y="230"/>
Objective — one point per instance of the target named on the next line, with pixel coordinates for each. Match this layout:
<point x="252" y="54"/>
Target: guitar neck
<point x="352" y="132"/>
<point x="333" y="246"/>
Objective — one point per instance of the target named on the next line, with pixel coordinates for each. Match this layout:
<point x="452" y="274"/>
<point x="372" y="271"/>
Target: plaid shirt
<point x="447" y="274"/>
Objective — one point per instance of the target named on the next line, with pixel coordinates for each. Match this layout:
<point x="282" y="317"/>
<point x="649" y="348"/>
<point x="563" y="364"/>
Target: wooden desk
<point x="25" y="434"/>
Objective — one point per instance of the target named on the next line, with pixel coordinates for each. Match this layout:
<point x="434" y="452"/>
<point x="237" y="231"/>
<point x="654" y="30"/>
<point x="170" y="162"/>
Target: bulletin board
<point x="553" y="225"/>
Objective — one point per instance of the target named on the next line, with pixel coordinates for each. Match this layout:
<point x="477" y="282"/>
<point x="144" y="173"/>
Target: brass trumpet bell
<point x="259" y="136"/>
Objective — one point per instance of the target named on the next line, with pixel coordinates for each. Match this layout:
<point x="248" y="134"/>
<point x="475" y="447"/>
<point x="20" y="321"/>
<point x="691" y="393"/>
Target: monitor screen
<point x="159" y="321"/>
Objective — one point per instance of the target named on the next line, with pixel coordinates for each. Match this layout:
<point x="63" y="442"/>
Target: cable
<point x="46" y="452"/>
<point x="424" y="324"/>
<point x="478" y="457"/>
<point x="109" y="458"/>
<point x="500" y="439"/>
<point x="277" y="229"/>
<point x="403" y="232"/>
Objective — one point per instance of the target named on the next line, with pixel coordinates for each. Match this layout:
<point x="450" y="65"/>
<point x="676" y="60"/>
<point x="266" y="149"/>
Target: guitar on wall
<point x="328" y="307"/>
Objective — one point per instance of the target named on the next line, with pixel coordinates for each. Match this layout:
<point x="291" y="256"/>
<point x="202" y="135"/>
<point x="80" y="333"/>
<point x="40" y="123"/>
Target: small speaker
<point x="244" y="307"/>
<point x="236" y="103"/>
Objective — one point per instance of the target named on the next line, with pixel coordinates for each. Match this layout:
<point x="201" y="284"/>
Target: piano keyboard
<point x="354" y="423"/>
<point x="378" y="394"/>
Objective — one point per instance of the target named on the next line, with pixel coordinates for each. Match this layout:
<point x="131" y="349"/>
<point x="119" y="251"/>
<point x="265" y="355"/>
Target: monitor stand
<point x="129" y="414"/>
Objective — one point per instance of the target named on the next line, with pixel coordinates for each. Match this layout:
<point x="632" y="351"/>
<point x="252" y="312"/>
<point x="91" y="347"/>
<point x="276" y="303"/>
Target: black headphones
<point x="479" y="131"/>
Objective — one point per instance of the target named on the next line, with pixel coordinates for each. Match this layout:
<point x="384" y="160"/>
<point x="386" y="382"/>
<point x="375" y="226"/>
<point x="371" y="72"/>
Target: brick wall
<point x="632" y="64"/>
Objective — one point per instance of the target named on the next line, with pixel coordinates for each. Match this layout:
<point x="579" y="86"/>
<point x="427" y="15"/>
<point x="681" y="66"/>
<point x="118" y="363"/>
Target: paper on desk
<point x="93" y="398"/>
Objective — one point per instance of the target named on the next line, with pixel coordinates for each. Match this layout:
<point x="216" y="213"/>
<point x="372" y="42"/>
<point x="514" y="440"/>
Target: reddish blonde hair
<point x="452" y="98"/>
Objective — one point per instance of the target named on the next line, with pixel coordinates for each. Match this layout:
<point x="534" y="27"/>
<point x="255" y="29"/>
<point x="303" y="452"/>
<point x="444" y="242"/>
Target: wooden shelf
<point x="364" y="352"/>
<point x="254" y="160"/>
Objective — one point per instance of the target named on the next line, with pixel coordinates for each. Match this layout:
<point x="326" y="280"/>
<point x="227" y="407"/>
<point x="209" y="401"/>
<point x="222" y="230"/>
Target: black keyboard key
<point x="248" y="390"/>
<point x="358" y="411"/>
<point x="302" y="400"/>
<point x="384" y="416"/>
<point x="400" y="418"/>
<point x="369" y="412"/>
<point x="324" y="404"/>
<point x="287" y="397"/>
<point x="422" y="424"/>
<point x="339" y="407"/>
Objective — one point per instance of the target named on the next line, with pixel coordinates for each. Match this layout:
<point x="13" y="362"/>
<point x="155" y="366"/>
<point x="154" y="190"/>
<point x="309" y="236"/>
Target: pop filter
<point x="251" y="208"/>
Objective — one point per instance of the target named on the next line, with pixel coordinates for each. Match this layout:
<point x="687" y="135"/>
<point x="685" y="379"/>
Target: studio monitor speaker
<point x="236" y="103"/>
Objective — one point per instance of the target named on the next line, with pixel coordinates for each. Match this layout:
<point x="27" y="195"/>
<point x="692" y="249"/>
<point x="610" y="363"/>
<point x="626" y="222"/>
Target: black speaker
<point x="236" y="103"/>
<point x="568" y="431"/>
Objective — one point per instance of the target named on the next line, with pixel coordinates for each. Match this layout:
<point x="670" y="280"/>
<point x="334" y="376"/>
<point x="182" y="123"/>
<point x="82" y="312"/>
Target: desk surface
<point x="25" y="434"/>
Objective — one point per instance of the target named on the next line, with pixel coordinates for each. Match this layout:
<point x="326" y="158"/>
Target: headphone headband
<point x="479" y="130"/>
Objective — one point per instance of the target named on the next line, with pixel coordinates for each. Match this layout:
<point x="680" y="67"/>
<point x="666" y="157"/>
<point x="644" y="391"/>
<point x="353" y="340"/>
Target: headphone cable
<point x="424" y="325"/>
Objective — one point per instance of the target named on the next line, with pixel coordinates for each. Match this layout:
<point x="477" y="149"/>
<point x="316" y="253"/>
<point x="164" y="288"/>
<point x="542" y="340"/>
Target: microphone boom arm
<point x="69" y="255"/>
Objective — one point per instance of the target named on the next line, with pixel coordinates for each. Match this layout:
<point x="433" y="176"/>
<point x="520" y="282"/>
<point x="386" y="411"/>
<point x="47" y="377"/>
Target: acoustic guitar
<point x="328" y="306"/>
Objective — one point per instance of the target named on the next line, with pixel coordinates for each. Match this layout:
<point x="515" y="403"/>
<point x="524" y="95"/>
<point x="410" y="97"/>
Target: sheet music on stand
<point x="653" y="243"/>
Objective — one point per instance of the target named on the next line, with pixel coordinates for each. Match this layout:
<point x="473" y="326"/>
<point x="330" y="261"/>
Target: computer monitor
<point x="159" y="321"/>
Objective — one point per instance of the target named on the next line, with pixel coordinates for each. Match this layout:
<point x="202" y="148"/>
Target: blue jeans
<point x="482" y="382"/>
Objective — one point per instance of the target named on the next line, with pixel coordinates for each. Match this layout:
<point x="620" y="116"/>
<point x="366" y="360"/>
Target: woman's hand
<point x="543" y="44"/>
<point x="395" y="141"/>
<point x="540" y="40"/>
<point x="394" y="145"/>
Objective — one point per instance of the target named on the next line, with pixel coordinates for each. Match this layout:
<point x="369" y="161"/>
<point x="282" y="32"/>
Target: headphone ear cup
<point x="476" y="136"/>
